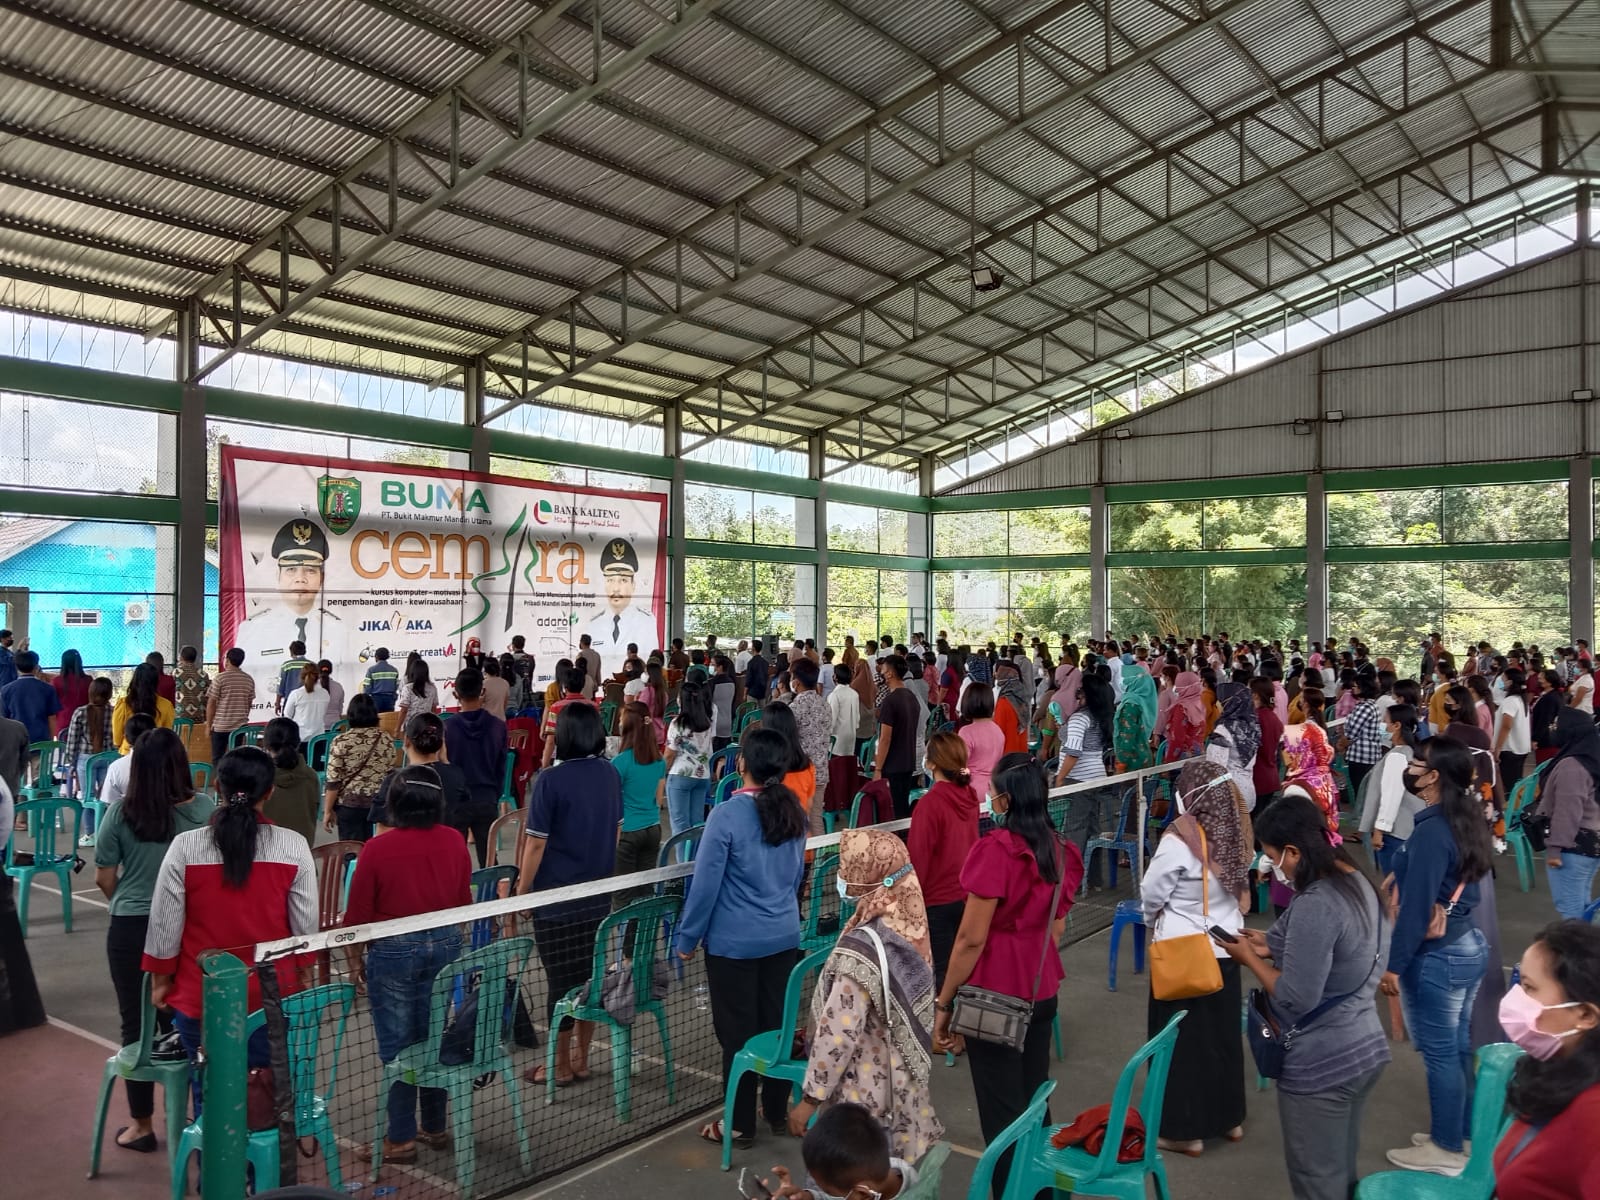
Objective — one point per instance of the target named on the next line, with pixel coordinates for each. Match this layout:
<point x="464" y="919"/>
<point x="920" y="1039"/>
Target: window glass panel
<point x="525" y="468"/>
<point x="1267" y="601"/>
<point x="1504" y="602"/>
<point x="1390" y="606"/>
<point x="123" y="572"/>
<point x="894" y="531"/>
<point x="1049" y="604"/>
<point x="718" y="594"/>
<point x="1157" y="600"/>
<point x="852" y="527"/>
<point x="1254" y="522"/>
<point x="621" y="482"/>
<point x="61" y="445"/>
<point x="717" y="514"/>
<point x="1050" y="530"/>
<point x="75" y="344"/>
<point x="968" y="534"/>
<point x="1398" y="518"/>
<point x="852" y="604"/>
<point x="1513" y="512"/>
<point x="777" y="519"/>
<point x="1161" y="525"/>
<point x="972" y="605"/>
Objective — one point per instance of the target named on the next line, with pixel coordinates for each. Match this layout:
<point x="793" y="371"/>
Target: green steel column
<point x="226" y="1133"/>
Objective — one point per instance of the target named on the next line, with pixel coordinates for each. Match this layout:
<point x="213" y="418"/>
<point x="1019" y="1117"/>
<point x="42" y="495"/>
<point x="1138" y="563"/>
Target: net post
<point x="225" y="1134"/>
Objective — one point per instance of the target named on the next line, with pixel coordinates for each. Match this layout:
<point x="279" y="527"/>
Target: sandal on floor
<point x="536" y="1076"/>
<point x="140" y="1145"/>
<point x="434" y="1141"/>
<point x="712" y="1132"/>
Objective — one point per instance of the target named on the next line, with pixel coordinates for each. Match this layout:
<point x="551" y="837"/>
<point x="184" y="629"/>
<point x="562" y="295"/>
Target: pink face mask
<point x="1519" y="1013"/>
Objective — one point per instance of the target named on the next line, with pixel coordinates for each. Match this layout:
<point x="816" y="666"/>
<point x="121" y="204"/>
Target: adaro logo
<point x="339" y="502"/>
<point x="542" y="512"/>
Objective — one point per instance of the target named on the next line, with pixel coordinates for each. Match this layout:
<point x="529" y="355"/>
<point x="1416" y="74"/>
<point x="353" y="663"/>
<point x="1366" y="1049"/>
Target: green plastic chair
<point x="419" y="1063"/>
<point x="1027" y="1128"/>
<point x="1489" y="1125"/>
<point x="1518" y="805"/>
<point x="824" y="870"/>
<point x="133" y="1062"/>
<point x="509" y="799"/>
<point x="584" y="1004"/>
<point x="44" y="786"/>
<point x="869" y="753"/>
<point x="92" y="784"/>
<point x="725" y="787"/>
<point x="317" y="750"/>
<point x="200" y="775"/>
<point x="930" y="1173"/>
<point x="608" y="716"/>
<point x="916" y="794"/>
<point x="55" y="851"/>
<point x="769" y="1054"/>
<point x="182" y="727"/>
<point x="1038" y="1165"/>
<point x="305" y="1014"/>
<point x="246" y="735"/>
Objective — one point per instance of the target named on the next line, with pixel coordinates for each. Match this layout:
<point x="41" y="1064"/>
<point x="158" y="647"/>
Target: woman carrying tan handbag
<point x="1197" y="879"/>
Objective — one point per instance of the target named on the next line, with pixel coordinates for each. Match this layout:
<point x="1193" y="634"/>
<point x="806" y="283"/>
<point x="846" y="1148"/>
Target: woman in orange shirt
<point x="1011" y="707"/>
<point x="801" y="775"/>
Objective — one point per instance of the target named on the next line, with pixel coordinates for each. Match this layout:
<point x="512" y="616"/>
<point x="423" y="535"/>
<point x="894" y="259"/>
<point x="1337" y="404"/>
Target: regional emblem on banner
<point x="339" y="502"/>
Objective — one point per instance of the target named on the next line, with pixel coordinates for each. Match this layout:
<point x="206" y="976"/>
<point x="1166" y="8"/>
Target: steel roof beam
<point x="1378" y="240"/>
<point x="460" y="104"/>
<point x="1238" y="126"/>
<point x="870" y="191"/>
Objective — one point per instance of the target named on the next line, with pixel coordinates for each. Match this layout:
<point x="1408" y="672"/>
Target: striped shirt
<point x="193" y="910"/>
<point x="1081" y="740"/>
<point x="234" y="693"/>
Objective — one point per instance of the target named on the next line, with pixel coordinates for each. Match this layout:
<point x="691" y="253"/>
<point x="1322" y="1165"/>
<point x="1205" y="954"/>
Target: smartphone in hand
<point x="1218" y="933"/>
<point x="751" y="1186"/>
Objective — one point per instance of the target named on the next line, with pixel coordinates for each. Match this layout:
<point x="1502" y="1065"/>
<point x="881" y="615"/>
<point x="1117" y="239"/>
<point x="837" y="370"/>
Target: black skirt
<point x="1205" y="1087"/>
<point x="20" y="1006"/>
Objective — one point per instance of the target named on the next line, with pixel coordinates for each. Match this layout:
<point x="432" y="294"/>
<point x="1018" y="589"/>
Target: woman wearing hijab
<point x="866" y="694"/>
<point x="1567" y="798"/>
<point x="1234" y="742"/>
<point x="1198" y="879"/>
<point x="1136" y="719"/>
<point x="1308" y="772"/>
<point x="872" y="1039"/>
<point x="1186" y="719"/>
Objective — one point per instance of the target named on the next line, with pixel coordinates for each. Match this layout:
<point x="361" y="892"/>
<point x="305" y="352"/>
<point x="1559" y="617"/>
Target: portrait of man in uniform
<point x="296" y="614"/>
<point x="621" y="620"/>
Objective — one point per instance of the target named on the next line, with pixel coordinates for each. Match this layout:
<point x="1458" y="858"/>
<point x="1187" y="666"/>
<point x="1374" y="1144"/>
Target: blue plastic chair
<point x="770" y="1054"/>
<point x="55" y="851"/>
<point x="1037" y="1165"/>
<point x="1116" y="842"/>
<point x="305" y="1014"/>
<point x="1129" y="914"/>
<point x="724" y="761"/>
<point x="1489" y="1125"/>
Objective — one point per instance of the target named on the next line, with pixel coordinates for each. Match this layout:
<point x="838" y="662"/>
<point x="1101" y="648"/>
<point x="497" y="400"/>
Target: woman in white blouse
<point x="1198" y="879"/>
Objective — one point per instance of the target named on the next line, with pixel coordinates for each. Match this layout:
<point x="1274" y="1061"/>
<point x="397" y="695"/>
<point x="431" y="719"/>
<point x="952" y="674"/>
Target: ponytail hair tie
<point x="774" y="781"/>
<point x="239" y="799"/>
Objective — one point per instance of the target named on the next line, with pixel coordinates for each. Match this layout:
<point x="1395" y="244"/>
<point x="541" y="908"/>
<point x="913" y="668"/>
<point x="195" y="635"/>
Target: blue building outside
<point x="92" y="587"/>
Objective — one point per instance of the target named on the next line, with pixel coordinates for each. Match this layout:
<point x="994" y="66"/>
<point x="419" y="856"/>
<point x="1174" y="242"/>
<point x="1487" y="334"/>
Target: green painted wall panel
<point x="1206" y="489"/>
<point x="758" y="481"/>
<point x="1205" y="558"/>
<point x="576" y="454"/>
<point x="1486" y="552"/>
<point x="844" y="493"/>
<point x="777" y="554"/>
<point x="1043" y="498"/>
<point x="226" y="404"/>
<point x="88" y="506"/>
<point x="1043" y="562"/>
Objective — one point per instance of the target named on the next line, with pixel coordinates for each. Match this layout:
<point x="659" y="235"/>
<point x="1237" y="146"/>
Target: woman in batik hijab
<point x="1136" y="720"/>
<point x="872" y="1032"/>
<point x="1197" y="879"/>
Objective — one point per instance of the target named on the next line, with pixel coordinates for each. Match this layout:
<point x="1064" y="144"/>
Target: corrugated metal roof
<point x="145" y="145"/>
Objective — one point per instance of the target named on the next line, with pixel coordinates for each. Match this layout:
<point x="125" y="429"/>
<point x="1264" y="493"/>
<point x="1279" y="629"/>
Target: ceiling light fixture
<point x="1302" y="428"/>
<point x="1122" y="433"/>
<point x="1333" y="415"/>
<point x="986" y="279"/>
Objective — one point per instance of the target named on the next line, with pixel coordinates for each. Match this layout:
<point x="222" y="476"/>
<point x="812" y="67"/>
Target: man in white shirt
<point x="741" y="658"/>
<point x="115" y="786"/>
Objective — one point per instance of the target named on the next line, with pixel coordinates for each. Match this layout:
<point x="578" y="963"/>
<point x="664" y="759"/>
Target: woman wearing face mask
<point x="1198" y="879"/>
<point x="1006" y="940"/>
<point x="1325" y="957"/>
<point x="944" y="828"/>
<point x="1542" y="717"/>
<point x="1567" y="798"/>
<point x="1551" y="1152"/>
<point x="1393" y="808"/>
<point x="871" y="1030"/>
<point x="1437" y="978"/>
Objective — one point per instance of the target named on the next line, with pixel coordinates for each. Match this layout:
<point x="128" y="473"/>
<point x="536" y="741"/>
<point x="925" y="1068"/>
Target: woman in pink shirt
<point x="1483" y="695"/>
<point x="1011" y="877"/>
<point x="985" y="740"/>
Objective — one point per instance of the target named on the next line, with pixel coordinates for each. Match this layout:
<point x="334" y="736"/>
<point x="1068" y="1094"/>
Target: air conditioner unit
<point x="136" y="612"/>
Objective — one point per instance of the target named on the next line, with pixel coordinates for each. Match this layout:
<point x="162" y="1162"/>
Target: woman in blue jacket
<point x="1448" y="853"/>
<point x="741" y="904"/>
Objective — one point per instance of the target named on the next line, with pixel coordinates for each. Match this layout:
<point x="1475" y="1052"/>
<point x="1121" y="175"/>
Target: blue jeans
<point x="1436" y="992"/>
<point x="686" y="802"/>
<point x="258" y="1053"/>
<point x="400" y="975"/>
<point x="1572" y="883"/>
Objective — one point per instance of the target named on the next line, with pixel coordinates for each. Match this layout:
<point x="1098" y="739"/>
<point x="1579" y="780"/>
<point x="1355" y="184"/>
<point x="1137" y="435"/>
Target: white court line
<point x="85" y="897"/>
<point x="106" y="1043"/>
